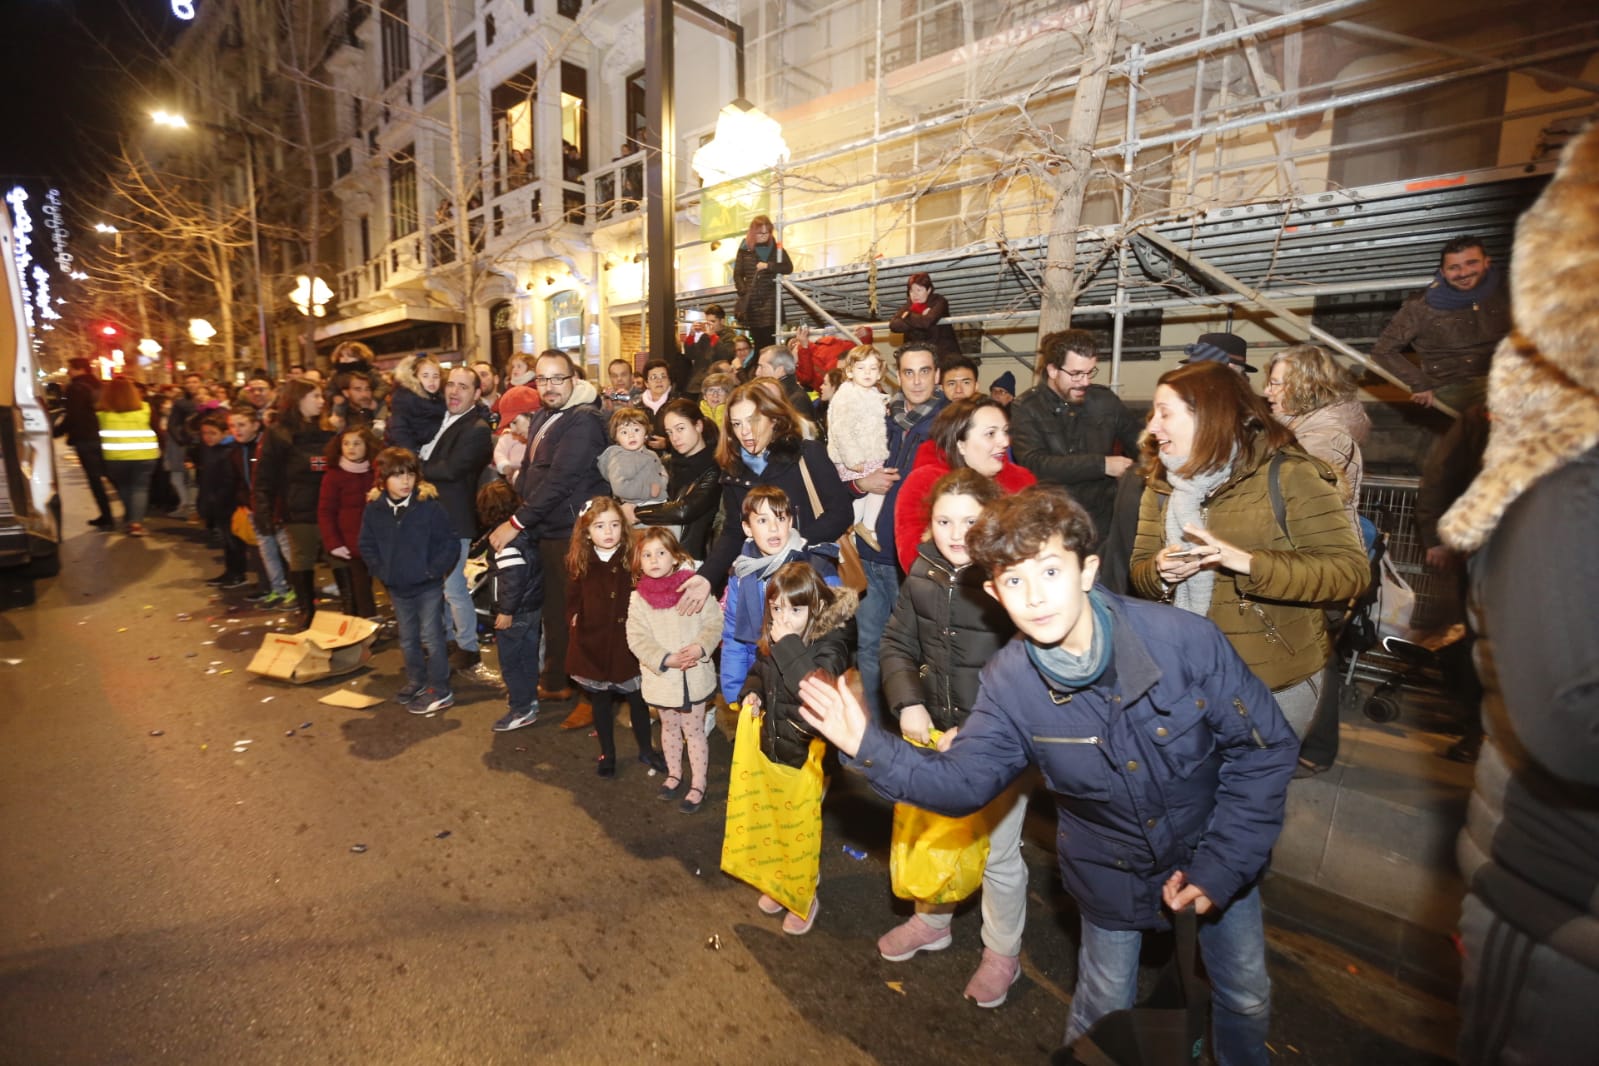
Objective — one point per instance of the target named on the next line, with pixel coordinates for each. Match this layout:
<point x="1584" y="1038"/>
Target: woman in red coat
<point x="973" y="433"/>
<point x="338" y="514"/>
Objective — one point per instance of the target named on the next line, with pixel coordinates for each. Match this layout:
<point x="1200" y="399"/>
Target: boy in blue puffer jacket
<point x="769" y="525"/>
<point x="409" y="545"/>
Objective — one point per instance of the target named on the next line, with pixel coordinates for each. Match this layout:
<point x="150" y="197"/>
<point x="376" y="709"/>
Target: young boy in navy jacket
<point x="773" y="541"/>
<point x="410" y="546"/>
<point x="1169" y="761"/>
<point x="518" y="604"/>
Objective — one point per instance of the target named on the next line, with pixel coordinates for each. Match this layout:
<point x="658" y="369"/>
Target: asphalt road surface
<point x="167" y="899"/>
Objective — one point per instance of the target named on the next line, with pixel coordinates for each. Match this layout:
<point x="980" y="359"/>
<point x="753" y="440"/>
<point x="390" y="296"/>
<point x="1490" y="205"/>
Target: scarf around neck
<point x="354" y="468"/>
<point x="1077" y="671"/>
<point x="1187" y="507"/>
<point x="663" y="592"/>
<point x="906" y="416"/>
<point x="1442" y="296"/>
<point x="766" y="565"/>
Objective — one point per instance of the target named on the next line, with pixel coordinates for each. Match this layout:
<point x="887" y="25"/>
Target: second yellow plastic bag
<point x="938" y="859"/>
<point x="773" y="838"/>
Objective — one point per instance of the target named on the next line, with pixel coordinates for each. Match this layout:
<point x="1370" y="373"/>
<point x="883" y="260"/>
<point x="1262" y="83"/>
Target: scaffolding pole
<point x="1281" y="310"/>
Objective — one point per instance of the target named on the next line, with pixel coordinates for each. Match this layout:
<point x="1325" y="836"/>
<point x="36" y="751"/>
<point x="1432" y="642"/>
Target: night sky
<point x="77" y="76"/>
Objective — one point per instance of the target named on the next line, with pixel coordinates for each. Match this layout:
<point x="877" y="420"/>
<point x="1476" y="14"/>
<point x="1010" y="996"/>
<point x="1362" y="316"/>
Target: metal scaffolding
<point x="1260" y="234"/>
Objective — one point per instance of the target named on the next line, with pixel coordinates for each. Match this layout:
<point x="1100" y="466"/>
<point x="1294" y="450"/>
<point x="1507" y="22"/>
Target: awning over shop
<point x="393" y="329"/>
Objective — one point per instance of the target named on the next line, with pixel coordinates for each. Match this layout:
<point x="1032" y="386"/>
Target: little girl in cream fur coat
<point x="857" y="431"/>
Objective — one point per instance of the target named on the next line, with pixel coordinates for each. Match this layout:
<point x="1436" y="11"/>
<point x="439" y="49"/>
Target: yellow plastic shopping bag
<point x="938" y="859"/>
<point x="773" y="838"/>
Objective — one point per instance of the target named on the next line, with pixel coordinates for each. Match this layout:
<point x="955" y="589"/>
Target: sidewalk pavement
<point x="1367" y="853"/>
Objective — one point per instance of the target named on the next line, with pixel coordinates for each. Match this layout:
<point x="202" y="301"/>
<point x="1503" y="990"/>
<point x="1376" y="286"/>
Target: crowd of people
<point x="837" y="543"/>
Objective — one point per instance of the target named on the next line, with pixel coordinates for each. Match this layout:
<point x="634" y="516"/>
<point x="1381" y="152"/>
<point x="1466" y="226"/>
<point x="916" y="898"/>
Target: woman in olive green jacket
<point x="1215" y="538"/>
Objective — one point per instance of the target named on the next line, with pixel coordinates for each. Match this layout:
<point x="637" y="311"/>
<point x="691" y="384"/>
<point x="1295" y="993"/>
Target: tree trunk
<point x="1060" y="281"/>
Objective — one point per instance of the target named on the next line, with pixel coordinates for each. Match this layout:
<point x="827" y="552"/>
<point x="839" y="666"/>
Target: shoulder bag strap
<point x="810" y="486"/>
<point x="1274" y="486"/>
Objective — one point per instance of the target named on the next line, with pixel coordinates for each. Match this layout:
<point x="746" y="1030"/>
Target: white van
<point x="30" y="504"/>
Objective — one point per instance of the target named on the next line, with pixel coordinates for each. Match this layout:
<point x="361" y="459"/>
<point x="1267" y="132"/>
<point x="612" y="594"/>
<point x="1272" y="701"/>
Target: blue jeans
<point x="271" y="558"/>
<point x="421" y="621"/>
<point x="132" y="480"/>
<point x="463" y="614"/>
<point x="519" y="660"/>
<point x="1234" y="947"/>
<point x="871" y="620"/>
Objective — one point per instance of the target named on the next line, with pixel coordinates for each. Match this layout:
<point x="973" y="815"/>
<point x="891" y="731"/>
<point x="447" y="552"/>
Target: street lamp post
<point x="660" y="163"/>
<point x="176" y="121"/>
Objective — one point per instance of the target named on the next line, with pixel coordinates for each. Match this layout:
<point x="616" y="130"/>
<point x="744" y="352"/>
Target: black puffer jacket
<point x="785" y="735"/>
<point x="782" y="470"/>
<point x="942" y="633"/>
<point x="288" y="476"/>
<point x="693" y="488"/>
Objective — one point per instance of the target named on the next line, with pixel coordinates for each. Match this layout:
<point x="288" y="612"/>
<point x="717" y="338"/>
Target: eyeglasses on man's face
<point x="558" y="379"/>
<point x="1079" y="375"/>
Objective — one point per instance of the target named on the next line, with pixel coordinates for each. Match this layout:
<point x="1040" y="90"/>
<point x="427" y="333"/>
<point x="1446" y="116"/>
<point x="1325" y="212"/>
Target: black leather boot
<point x="341" y="577"/>
<point x="304" y="584"/>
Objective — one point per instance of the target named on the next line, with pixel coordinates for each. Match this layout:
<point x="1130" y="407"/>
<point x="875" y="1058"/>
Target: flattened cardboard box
<point x="335" y="644"/>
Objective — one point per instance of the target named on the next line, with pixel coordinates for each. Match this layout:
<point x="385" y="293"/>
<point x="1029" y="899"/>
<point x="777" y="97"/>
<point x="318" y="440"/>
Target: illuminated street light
<point x="311" y="295"/>
<point x="102" y="227"/>
<point x="169" y="119"/>
<point x="747" y="141"/>
<point x="201" y="331"/>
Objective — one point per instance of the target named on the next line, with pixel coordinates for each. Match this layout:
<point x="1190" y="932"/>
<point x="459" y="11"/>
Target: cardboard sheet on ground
<point x="343" y="697"/>
<point x="335" y="644"/>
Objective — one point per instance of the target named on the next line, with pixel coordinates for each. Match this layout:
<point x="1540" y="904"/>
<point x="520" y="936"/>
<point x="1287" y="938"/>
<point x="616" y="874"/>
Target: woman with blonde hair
<point x="131" y="449"/>
<point x="1311" y="394"/>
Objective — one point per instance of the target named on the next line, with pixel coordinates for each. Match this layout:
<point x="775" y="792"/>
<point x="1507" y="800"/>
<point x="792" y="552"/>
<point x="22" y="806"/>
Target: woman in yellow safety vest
<point x="129" y="444"/>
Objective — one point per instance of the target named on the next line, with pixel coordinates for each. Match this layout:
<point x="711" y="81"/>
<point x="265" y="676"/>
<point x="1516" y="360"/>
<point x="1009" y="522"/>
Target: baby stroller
<point x="1354" y="633"/>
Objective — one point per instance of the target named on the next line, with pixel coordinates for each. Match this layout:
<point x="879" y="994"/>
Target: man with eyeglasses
<point x="560" y="473"/>
<point x="1071" y="432"/>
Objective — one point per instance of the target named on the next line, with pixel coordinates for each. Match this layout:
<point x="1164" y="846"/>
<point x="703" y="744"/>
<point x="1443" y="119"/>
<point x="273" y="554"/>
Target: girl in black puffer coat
<point x="944" y="628"/>
<point x="810" y="625"/>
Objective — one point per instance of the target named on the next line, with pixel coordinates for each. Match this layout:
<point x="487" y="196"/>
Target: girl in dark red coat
<point x="599" y="587"/>
<point x="339" y="508"/>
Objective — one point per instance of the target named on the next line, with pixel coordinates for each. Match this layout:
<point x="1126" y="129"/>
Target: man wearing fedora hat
<point x="1227" y="348"/>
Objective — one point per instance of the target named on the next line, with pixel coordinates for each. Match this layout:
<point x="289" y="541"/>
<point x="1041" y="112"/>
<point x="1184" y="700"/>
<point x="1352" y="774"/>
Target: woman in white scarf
<point x="1240" y="524"/>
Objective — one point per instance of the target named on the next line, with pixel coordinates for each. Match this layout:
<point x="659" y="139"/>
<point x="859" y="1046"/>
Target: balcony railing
<point x="341" y="29"/>
<point x="616" y="190"/>
<point x="513" y="167"/>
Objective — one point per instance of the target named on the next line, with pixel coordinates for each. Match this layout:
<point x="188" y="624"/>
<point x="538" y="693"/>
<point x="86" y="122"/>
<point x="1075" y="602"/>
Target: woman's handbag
<point x="850" y="570"/>
<point x="763" y="798"/>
